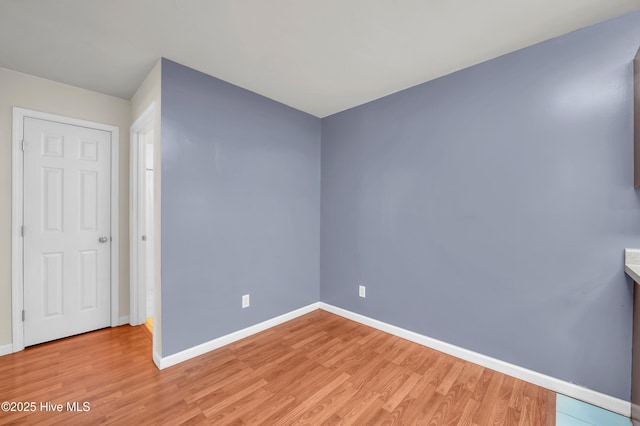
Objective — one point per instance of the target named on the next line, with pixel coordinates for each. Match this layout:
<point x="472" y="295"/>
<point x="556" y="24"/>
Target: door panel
<point x="52" y="196"/>
<point x="66" y="211"/>
<point x="52" y="284"/>
<point x="88" y="264"/>
<point x="88" y="200"/>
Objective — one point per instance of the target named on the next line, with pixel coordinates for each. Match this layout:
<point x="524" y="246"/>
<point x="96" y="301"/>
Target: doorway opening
<point x="142" y="297"/>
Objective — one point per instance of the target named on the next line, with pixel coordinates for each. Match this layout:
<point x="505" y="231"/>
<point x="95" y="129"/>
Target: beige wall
<point x="25" y="91"/>
<point x="149" y="92"/>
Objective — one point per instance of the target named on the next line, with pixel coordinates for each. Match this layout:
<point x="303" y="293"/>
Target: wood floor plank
<point x="470" y="375"/>
<point x="367" y="416"/>
<point x="423" y="410"/>
<point x="316" y="369"/>
<point x="550" y="409"/>
<point x="327" y="406"/>
<point x="313" y="399"/>
<point x="450" y="378"/>
<point x="457" y="398"/>
<point x="499" y="411"/>
<point x="466" y="419"/>
<point x="528" y="414"/>
<point x="267" y="408"/>
<point x="517" y="395"/>
<point x="398" y="396"/>
<point x="357" y="405"/>
<point x="513" y="417"/>
<point x="234" y="396"/>
<point x="489" y="399"/>
<point x="368" y="371"/>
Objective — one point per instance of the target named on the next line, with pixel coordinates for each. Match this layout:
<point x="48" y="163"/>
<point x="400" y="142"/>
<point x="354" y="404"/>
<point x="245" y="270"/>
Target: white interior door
<point x="67" y="233"/>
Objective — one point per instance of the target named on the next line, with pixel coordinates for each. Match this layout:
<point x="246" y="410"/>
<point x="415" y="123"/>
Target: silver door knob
<point x="103" y="239"/>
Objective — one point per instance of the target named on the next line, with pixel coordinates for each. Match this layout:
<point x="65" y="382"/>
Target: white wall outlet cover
<point x="362" y="291"/>
<point x="245" y="301"/>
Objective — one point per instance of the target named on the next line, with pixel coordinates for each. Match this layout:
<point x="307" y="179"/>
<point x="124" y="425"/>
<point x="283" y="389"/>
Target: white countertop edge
<point x="633" y="271"/>
<point x="632" y="263"/>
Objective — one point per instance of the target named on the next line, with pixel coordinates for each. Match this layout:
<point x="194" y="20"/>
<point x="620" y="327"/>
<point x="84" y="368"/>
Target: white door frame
<point x="17" y="204"/>
<point x="137" y="281"/>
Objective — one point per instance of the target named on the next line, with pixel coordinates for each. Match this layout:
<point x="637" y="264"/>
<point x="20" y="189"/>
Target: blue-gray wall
<point x="490" y="208"/>
<point x="240" y="208"/>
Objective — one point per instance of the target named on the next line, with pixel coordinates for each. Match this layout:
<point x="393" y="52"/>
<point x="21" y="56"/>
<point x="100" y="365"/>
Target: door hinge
<point x="23" y="315"/>
<point x="22" y="145"/>
<point x="22" y="231"/>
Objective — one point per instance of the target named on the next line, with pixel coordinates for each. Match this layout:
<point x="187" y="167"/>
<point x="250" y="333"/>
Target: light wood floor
<point x="316" y="369"/>
<point x="149" y="324"/>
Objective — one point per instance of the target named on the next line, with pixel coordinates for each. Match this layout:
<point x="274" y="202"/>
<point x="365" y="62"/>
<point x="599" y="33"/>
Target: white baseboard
<point x="230" y="338"/>
<point x="560" y="386"/>
<point x="157" y="359"/>
<point x="557" y="385"/>
<point x="6" y="349"/>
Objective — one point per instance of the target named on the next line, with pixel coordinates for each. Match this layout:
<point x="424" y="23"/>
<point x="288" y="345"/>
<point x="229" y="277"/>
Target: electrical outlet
<point x="245" y="301"/>
<point x="362" y="291"/>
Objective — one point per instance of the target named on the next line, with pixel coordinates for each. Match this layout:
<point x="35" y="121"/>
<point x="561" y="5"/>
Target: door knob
<point x="103" y="239"/>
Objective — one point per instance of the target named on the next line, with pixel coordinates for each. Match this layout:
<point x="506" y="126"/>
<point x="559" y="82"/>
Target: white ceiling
<point x="318" y="56"/>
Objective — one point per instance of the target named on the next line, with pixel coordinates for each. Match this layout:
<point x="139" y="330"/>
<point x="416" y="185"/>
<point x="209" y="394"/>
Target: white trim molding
<point x="157" y="360"/>
<point x="124" y="320"/>
<point x="560" y="386"/>
<point x="17" y="203"/>
<point x="17" y="196"/>
<point x="203" y="348"/>
<point x="6" y="349"/>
